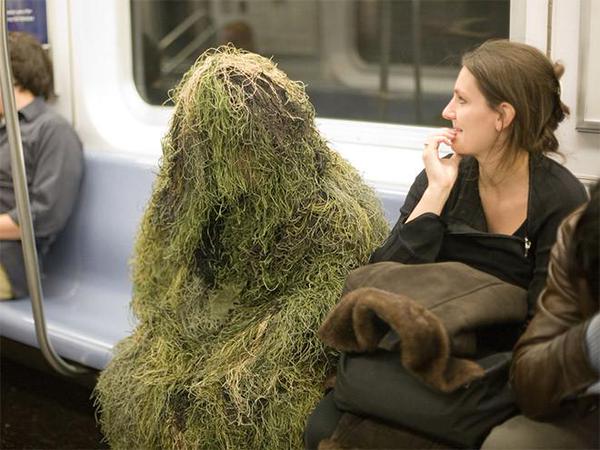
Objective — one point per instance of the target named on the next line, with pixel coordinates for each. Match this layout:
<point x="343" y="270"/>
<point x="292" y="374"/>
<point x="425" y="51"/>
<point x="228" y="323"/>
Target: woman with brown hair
<point x="495" y="203"/>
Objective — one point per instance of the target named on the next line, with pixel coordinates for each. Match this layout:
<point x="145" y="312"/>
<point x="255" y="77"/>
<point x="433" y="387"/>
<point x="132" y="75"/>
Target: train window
<point x="374" y="60"/>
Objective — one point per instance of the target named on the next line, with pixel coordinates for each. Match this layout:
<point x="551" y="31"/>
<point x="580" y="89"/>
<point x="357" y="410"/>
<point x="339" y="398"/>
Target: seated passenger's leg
<point x="322" y="422"/>
<point x="565" y="433"/>
<point x="5" y="287"/>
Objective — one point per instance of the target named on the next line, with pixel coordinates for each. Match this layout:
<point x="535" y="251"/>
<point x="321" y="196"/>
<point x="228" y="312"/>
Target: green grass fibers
<point x="244" y="246"/>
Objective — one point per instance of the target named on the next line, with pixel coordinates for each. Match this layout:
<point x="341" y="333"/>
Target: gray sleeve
<point x="592" y="340"/>
<point x="56" y="178"/>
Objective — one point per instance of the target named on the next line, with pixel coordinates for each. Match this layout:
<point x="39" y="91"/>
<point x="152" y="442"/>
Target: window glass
<point x="375" y="60"/>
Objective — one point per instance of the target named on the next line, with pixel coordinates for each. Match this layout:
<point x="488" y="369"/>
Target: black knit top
<point x="460" y="232"/>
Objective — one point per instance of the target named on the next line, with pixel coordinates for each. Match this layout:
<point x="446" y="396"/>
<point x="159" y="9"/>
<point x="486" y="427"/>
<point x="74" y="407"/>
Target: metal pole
<point x="416" y="41"/>
<point x="385" y="18"/>
<point x="23" y="209"/>
<point x="549" y="29"/>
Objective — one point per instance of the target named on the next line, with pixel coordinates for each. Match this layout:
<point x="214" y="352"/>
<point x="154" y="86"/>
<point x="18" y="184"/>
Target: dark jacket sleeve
<point x="558" y="203"/>
<point x="550" y="362"/>
<point x="55" y="182"/>
<point x="418" y="241"/>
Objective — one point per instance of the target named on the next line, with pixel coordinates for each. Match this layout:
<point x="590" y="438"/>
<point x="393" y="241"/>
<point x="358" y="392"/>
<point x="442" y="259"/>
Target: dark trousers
<point x="322" y="422"/>
<point x="347" y="430"/>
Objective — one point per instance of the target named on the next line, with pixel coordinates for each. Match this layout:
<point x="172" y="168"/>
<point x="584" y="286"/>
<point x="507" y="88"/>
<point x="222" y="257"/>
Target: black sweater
<point x="460" y="232"/>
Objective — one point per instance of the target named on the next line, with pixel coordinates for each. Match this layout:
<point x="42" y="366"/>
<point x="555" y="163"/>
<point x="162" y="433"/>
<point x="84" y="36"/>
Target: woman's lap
<point x="322" y="422"/>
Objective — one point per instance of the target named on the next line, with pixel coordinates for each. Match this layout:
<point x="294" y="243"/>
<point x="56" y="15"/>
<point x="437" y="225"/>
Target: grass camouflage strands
<point x="244" y="246"/>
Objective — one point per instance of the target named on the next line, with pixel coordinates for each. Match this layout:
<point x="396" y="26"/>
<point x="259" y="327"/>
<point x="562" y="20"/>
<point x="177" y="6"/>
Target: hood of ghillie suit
<point x="252" y="226"/>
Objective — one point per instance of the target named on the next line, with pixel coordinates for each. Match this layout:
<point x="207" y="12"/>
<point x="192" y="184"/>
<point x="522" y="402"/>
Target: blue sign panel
<point x="28" y="16"/>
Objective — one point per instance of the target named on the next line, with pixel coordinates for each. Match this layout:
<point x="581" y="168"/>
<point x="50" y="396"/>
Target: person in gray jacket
<point x="53" y="161"/>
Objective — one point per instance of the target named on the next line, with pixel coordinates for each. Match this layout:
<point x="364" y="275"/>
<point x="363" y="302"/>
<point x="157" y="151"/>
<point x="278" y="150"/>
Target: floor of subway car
<point x="40" y="410"/>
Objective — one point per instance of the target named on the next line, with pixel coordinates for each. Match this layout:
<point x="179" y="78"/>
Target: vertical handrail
<point x="416" y="41"/>
<point x="385" y="16"/>
<point x="549" y="29"/>
<point x="23" y="208"/>
<point x="385" y="37"/>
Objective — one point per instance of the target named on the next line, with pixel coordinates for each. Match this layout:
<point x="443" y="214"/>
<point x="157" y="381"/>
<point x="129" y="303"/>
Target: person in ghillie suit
<point x="253" y="224"/>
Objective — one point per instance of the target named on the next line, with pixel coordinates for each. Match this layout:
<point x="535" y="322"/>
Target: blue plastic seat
<point x="86" y="277"/>
<point x="392" y="202"/>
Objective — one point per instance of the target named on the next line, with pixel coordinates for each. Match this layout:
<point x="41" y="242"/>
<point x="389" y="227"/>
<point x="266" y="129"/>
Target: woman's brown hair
<point x="523" y="76"/>
<point x="31" y="66"/>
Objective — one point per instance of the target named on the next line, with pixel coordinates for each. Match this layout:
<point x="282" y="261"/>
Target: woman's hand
<point x="441" y="173"/>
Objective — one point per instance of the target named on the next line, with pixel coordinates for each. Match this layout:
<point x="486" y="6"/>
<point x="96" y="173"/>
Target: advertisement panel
<point x="28" y="16"/>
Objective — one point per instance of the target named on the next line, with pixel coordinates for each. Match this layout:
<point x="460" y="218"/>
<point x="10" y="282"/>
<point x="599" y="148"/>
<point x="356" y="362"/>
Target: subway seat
<point x="86" y="275"/>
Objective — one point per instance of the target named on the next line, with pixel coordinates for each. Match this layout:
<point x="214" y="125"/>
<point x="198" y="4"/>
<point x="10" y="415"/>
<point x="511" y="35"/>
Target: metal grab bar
<point x="385" y="19"/>
<point x="181" y="28"/>
<point x="385" y="38"/>
<point x="23" y="209"/>
<point x="416" y="42"/>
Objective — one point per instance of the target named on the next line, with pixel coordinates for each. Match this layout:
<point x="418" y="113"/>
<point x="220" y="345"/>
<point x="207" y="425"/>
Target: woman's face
<point x="476" y="124"/>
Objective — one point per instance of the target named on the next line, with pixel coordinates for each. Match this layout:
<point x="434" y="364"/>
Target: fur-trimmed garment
<point x="428" y="313"/>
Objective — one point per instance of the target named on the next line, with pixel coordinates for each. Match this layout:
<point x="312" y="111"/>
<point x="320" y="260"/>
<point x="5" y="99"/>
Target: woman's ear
<point x="506" y="115"/>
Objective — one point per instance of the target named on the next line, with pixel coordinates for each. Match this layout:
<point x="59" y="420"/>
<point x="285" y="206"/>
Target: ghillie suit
<point x="243" y="249"/>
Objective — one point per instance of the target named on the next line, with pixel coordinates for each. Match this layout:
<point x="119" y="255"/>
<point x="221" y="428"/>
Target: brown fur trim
<point x="360" y="320"/>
